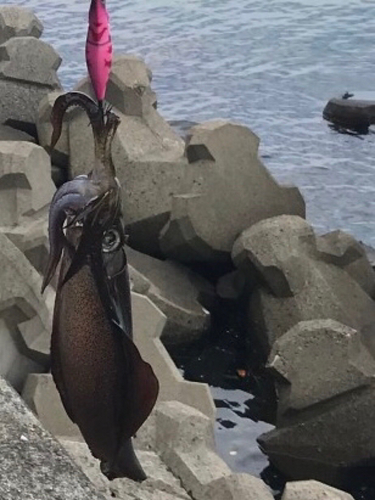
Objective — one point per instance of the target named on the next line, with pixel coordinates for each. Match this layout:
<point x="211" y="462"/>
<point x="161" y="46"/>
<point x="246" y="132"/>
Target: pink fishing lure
<point x="99" y="48"/>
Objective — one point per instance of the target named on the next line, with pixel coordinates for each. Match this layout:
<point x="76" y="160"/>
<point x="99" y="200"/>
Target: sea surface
<point x="271" y="65"/>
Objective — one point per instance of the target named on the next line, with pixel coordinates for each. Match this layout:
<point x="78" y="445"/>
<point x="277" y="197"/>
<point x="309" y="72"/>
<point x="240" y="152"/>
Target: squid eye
<point x="111" y="241"/>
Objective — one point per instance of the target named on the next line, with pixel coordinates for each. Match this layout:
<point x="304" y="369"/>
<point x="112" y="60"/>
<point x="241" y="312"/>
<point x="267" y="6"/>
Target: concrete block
<point x="159" y="480"/>
<point x="32" y="239"/>
<point x="22" y="194"/>
<point x="225" y="190"/>
<point x="182" y="427"/>
<point x="31" y="60"/>
<point x="129" y="86"/>
<point x="294" y="283"/>
<point x="12" y="134"/>
<point x="316" y="361"/>
<point x="176" y="291"/>
<point x="313" y="490"/>
<point x="42" y="397"/>
<point x="25" y="316"/>
<point x="27" y="73"/>
<point x="16" y="21"/>
<point x="322" y="443"/>
<point x="341" y="249"/>
<point x="238" y="486"/>
<point x="33" y="465"/>
<point x="148" y="323"/>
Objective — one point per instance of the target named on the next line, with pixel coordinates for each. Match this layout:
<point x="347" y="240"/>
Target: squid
<point x="106" y="387"/>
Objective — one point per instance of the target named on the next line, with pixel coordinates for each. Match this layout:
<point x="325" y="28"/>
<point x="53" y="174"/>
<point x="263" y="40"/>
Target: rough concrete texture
<point x="33" y="465"/>
<point x="147" y="153"/>
<point x="18" y="21"/>
<point x="225" y="190"/>
<point x="25" y="319"/>
<point x="185" y="441"/>
<point x="60" y="153"/>
<point x="32" y="240"/>
<point x="41" y="396"/>
<point x="177" y="292"/>
<point x="297" y="284"/>
<point x="12" y="134"/>
<point x="313" y="490"/>
<point x="321" y="443"/>
<point x="27" y="73"/>
<point x="316" y="361"/>
<point x="160" y="483"/>
<point x="22" y="166"/>
<point x="129" y="87"/>
<point x="343" y="250"/>
<point x="149" y="322"/>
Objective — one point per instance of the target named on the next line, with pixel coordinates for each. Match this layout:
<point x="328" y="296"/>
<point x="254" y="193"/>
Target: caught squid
<point x="106" y="388"/>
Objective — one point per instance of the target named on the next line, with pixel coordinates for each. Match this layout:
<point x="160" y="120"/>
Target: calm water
<point x="269" y="64"/>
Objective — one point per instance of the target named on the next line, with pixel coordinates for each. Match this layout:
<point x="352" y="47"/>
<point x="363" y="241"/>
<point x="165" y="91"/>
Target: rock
<point x="27" y="73"/>
<point x="33" y="465"/>
<point x="22" y="194"/>
<point x="225" y="189"/>
<point x="41" y="396"/>
<point x="60" y="153"/>
<point x="370" y="253"/>
<point x="160" y="482"/>
<point x="12" y="134"/>
<point x="350" y="114"/>
<point x="186" y="442"/>
<point x="341" y="249"/>
<point x="177" y="292"/>
<point x="313" y="490"/>
<point x="32" y="240"/>
<point x="324" y="442"/>
<point x="147" y="154"/>
<point x="25" y="320"/>
<point x="129" y="88"/>
<point x="296" y="285"/>
<point x="18" y="22"/>
<point x="316" y="361"/>
<point x="148" y="323"/>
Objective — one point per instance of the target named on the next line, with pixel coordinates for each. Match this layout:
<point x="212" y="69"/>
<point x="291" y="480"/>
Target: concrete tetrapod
<point x="225" y="189"/>
<point x="18" y="21"/>
<point x="313" y="490"/>
<point x="27" y="73"/>
<point x="25" y="320"/>
<point x="294" y="282"/>
<point x="177" y="291"/>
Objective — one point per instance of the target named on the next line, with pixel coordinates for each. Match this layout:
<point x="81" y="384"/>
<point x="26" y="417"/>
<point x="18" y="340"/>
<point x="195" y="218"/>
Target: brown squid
<point x="105" y="386"/>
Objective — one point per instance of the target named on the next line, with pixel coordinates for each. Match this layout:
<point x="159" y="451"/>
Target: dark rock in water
<point x="351" y="114"/>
